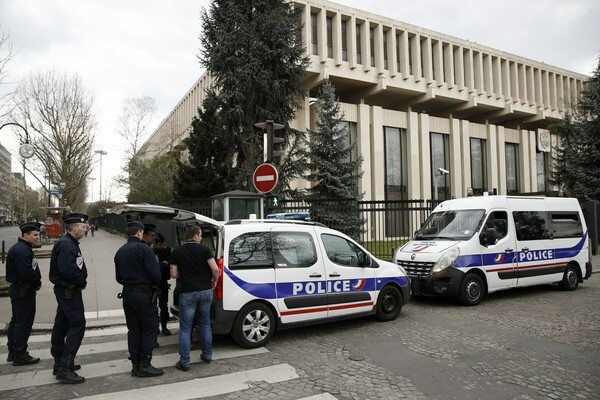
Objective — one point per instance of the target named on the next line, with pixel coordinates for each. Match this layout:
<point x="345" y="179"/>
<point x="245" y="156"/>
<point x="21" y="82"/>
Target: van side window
<point x="341" y="251"/>
<point x="293" y="250"/>
<point x="251" y="250"/>
<point x="497" y="220"/>
<point x="531" y="225"/>
<point x="565" y="224"/>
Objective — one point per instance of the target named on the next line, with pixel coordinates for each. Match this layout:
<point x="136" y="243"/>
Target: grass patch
<point x="384" y="249"/>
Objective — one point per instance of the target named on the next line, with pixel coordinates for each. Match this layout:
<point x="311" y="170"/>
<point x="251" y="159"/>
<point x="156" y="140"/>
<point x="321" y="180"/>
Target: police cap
<point x="159" y="238"/>
<point x="135" y="224"/>
<point x="149" y="228"/>
<point x="74" y="218"/>
<point x="30" y="226"/>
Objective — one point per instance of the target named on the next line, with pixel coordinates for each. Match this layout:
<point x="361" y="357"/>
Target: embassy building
<point x="428" y="112"/>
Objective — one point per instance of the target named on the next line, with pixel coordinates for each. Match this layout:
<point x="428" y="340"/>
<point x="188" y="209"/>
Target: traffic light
<point x="268" y="128"/>
<point x="273" y="201"/>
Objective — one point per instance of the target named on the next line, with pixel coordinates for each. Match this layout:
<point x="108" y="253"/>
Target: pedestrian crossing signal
<point x="273" y="201"/>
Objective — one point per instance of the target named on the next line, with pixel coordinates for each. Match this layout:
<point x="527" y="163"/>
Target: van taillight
<point x="218" y="292"/>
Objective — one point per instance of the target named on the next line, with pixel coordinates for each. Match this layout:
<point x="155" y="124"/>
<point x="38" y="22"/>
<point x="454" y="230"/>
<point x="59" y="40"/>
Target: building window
<point x="358" y="45"/>
<point x="344" y="40"/>
<point x="395" y="163"/>
<point x="350" y="133"/>
<point x="440" y="158"/>
<point x="398" y="53"/>
<point x="385" y="51"/>
<point x="313" y="33"/>
<point x="410" y="56"/>
<point x="541" y="159"/>
<point x="478" y="164"/>
<point x="372" y="45"/>
<point x="512" y="168"/>
<point x="329" y="37"/>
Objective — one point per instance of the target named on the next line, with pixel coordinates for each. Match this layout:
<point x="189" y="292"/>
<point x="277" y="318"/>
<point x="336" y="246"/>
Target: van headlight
<point x="446" y="260"/>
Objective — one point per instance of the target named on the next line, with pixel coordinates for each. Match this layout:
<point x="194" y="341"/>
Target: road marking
<point x="45" y="377"/>
<point x="322" y="396"/>
<point x="206" y="387"/>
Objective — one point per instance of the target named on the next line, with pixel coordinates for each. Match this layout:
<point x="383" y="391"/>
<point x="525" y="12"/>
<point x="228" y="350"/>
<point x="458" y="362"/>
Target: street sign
<point x="55" y="191"/>
<point x="265" y="177"/>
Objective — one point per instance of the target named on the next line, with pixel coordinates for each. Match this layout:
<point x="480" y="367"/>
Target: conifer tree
<point x="254" y="53"/>
<point x="334" y="168"/>
<point x="577" y="165"/>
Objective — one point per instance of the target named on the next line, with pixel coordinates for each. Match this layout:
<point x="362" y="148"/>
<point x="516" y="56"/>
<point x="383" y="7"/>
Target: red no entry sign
<point x="265" y="177"/>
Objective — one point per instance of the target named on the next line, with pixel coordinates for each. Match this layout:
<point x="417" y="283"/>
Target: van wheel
<point x="253" y="326"/>
<point x="471" y="290"/>
<point x="389" y="303"/>
<point x="570" y="280"/>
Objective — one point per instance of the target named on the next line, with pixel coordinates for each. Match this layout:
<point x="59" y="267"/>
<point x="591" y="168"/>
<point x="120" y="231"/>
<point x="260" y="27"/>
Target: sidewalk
<point x="102" y="307"/>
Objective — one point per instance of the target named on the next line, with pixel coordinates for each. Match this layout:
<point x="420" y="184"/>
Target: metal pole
<point x="102" y="153"/>
<point x="24" y="194"/>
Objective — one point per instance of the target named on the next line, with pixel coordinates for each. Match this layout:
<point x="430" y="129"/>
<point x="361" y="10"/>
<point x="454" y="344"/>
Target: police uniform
<point x="68" y="273"/>
<point x="23" y="274"/>
<point x="164" y="257"/>
<point x="137" y="269"/>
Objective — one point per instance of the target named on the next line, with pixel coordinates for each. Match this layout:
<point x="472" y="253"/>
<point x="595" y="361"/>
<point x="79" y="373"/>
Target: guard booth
<point x="237" y="204"/>
<point x="53" y="221"/>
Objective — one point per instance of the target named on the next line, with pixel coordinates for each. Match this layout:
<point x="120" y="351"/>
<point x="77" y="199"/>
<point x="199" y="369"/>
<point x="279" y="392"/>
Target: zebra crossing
<point x="106" y="359"/>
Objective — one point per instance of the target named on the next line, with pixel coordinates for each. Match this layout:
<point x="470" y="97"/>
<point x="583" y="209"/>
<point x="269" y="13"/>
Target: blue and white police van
<point x="278" y="274"/>
<point x="476" y="245"/>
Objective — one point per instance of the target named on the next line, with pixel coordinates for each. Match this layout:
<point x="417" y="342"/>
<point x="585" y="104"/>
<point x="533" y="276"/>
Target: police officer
<point x="163" y="252"/>
<point x="149" y="234"/>
<point x="23" y="273"/>
<point x="137" y="269"/>
<point x="69" y="275"/>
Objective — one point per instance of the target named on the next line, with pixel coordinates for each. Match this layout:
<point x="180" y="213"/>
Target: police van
<point x="472" y="246"/>
<point x="276" y="274"/>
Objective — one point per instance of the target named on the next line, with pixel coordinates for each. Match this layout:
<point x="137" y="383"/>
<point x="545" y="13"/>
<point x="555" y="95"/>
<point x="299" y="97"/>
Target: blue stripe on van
<point x="479" y="260"/>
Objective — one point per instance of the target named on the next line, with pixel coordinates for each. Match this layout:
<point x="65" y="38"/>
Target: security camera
<point x="443" y="171"/>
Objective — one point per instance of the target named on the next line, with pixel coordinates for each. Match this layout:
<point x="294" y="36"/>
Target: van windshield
<point x="451" y="225"/>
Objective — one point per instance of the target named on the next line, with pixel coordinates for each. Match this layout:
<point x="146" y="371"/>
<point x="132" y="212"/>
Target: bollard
<point x="3" y="247"/>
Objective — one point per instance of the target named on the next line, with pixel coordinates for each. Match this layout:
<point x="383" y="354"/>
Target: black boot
<point x="146" y="369"/>
<point x="11" y="357"/>
<point x="135" y="366"/>
<point x="67" y="376"/>
<point x="75" y="367"/>
<point x="165" y="330"/>
<point x="24" y="359"/>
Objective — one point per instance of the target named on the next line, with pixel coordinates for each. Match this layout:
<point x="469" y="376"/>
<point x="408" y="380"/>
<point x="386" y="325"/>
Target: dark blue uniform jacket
<point x="66" y="264"/>
<point x="136" y="264"/>
<point x="22" y="266"/>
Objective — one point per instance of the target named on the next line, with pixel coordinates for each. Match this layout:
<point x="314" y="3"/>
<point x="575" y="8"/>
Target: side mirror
<point x="488" y="237"/>
<point x="364" y="260"/>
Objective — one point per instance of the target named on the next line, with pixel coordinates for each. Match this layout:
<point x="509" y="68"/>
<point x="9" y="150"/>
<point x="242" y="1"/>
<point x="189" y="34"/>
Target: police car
<point x="277" y="274"/>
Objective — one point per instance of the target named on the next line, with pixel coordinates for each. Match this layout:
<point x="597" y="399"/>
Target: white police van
<point x="476" y="245"/>
<point x="279" y="274"/>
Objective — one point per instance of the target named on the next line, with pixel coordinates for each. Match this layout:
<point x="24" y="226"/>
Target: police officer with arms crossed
<point x="23" y="273"/>
<point x="69" y="275"/>
<point x="137" y="269"/>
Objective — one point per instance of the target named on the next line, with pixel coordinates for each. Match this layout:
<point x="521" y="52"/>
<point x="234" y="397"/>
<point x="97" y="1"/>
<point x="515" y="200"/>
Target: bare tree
<point x="6" y="54"/>
<point x="134" y="120"/>
<point x="58" y="111"/>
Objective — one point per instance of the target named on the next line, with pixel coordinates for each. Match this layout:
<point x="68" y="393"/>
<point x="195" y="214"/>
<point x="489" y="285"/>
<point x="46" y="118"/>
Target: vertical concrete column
<point x="456" y="156"/>
<point x="501" y="153"/>
<point x="560" y="93"/>
<point x="425" y="152"/>
<point x="505" y="72"/>
<point x="392" y="51"/>
<point x="524" y="162"/>
<point x="351" y="28"/>
<point x="364" y="143"/>
<point x="537" y="76"/>
<point x="523" y="84"/>
<point x="532" y="162"/>
<point x="378" y="50"/>
<point x="488" y="83"/>
<point x="478" y="72"/>
<point x="553" y="103"/>
<point x="438" y="62"/>
<point x="531" y="85"/>
<point x="415" y="45"/>
<point x="465" y="138"/>
<point x="305" y="18"/>
<point x="497" y="76"/>
<point x="322" y="35"/>
<point x="414" y="155"/>
<point x="377" y="153"/>
<point x="546" y="90"/>
<point x="449" y="62"/>
<point x="404" y="68"/>
<point x="491" y="145"/>
<point x="469" y="73"/>
<point x="337" y="38"/>
<point x="365" y="47"/>
<point x="514" y="81"/>
<point x="427" y="60"/>
<point x="459" y="67"/>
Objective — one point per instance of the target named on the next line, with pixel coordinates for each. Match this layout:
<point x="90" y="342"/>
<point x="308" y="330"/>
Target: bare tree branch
<point x="134" y="120"/>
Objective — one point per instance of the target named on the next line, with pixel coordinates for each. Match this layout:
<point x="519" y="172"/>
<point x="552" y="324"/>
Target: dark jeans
<point x="21" y="322"/>
<point x="69" y="327"/>
<point x="163" y="301"/>
<point x="142" y="324"/>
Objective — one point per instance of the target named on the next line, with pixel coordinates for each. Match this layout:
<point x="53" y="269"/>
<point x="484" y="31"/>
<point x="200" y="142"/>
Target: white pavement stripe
<point x="38" y="378"/>
<point x="97" y="348"/>
<point x="116" y="330"/>
<point x="104" y="314"/>
<point x="322" y="396"/>
<point x="206" y="387"/>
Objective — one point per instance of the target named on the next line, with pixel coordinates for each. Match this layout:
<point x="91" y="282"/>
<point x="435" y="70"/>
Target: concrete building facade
<point x="433" y="116"/>
<point x="6" y="177"/>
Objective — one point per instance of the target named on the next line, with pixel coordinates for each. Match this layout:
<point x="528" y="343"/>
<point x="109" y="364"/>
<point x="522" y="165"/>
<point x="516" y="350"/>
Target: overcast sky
<point x="131" y="48"/>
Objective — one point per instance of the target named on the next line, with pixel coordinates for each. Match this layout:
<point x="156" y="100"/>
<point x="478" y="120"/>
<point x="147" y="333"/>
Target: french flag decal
<point x="499" y="258"/>
<point x="418" y="248"/>
<point x="359" y="284"/>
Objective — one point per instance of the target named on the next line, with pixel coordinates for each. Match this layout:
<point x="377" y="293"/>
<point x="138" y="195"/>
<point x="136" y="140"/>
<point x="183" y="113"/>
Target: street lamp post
<point x="102" y="153"/>
<point x="92" y="191"/>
